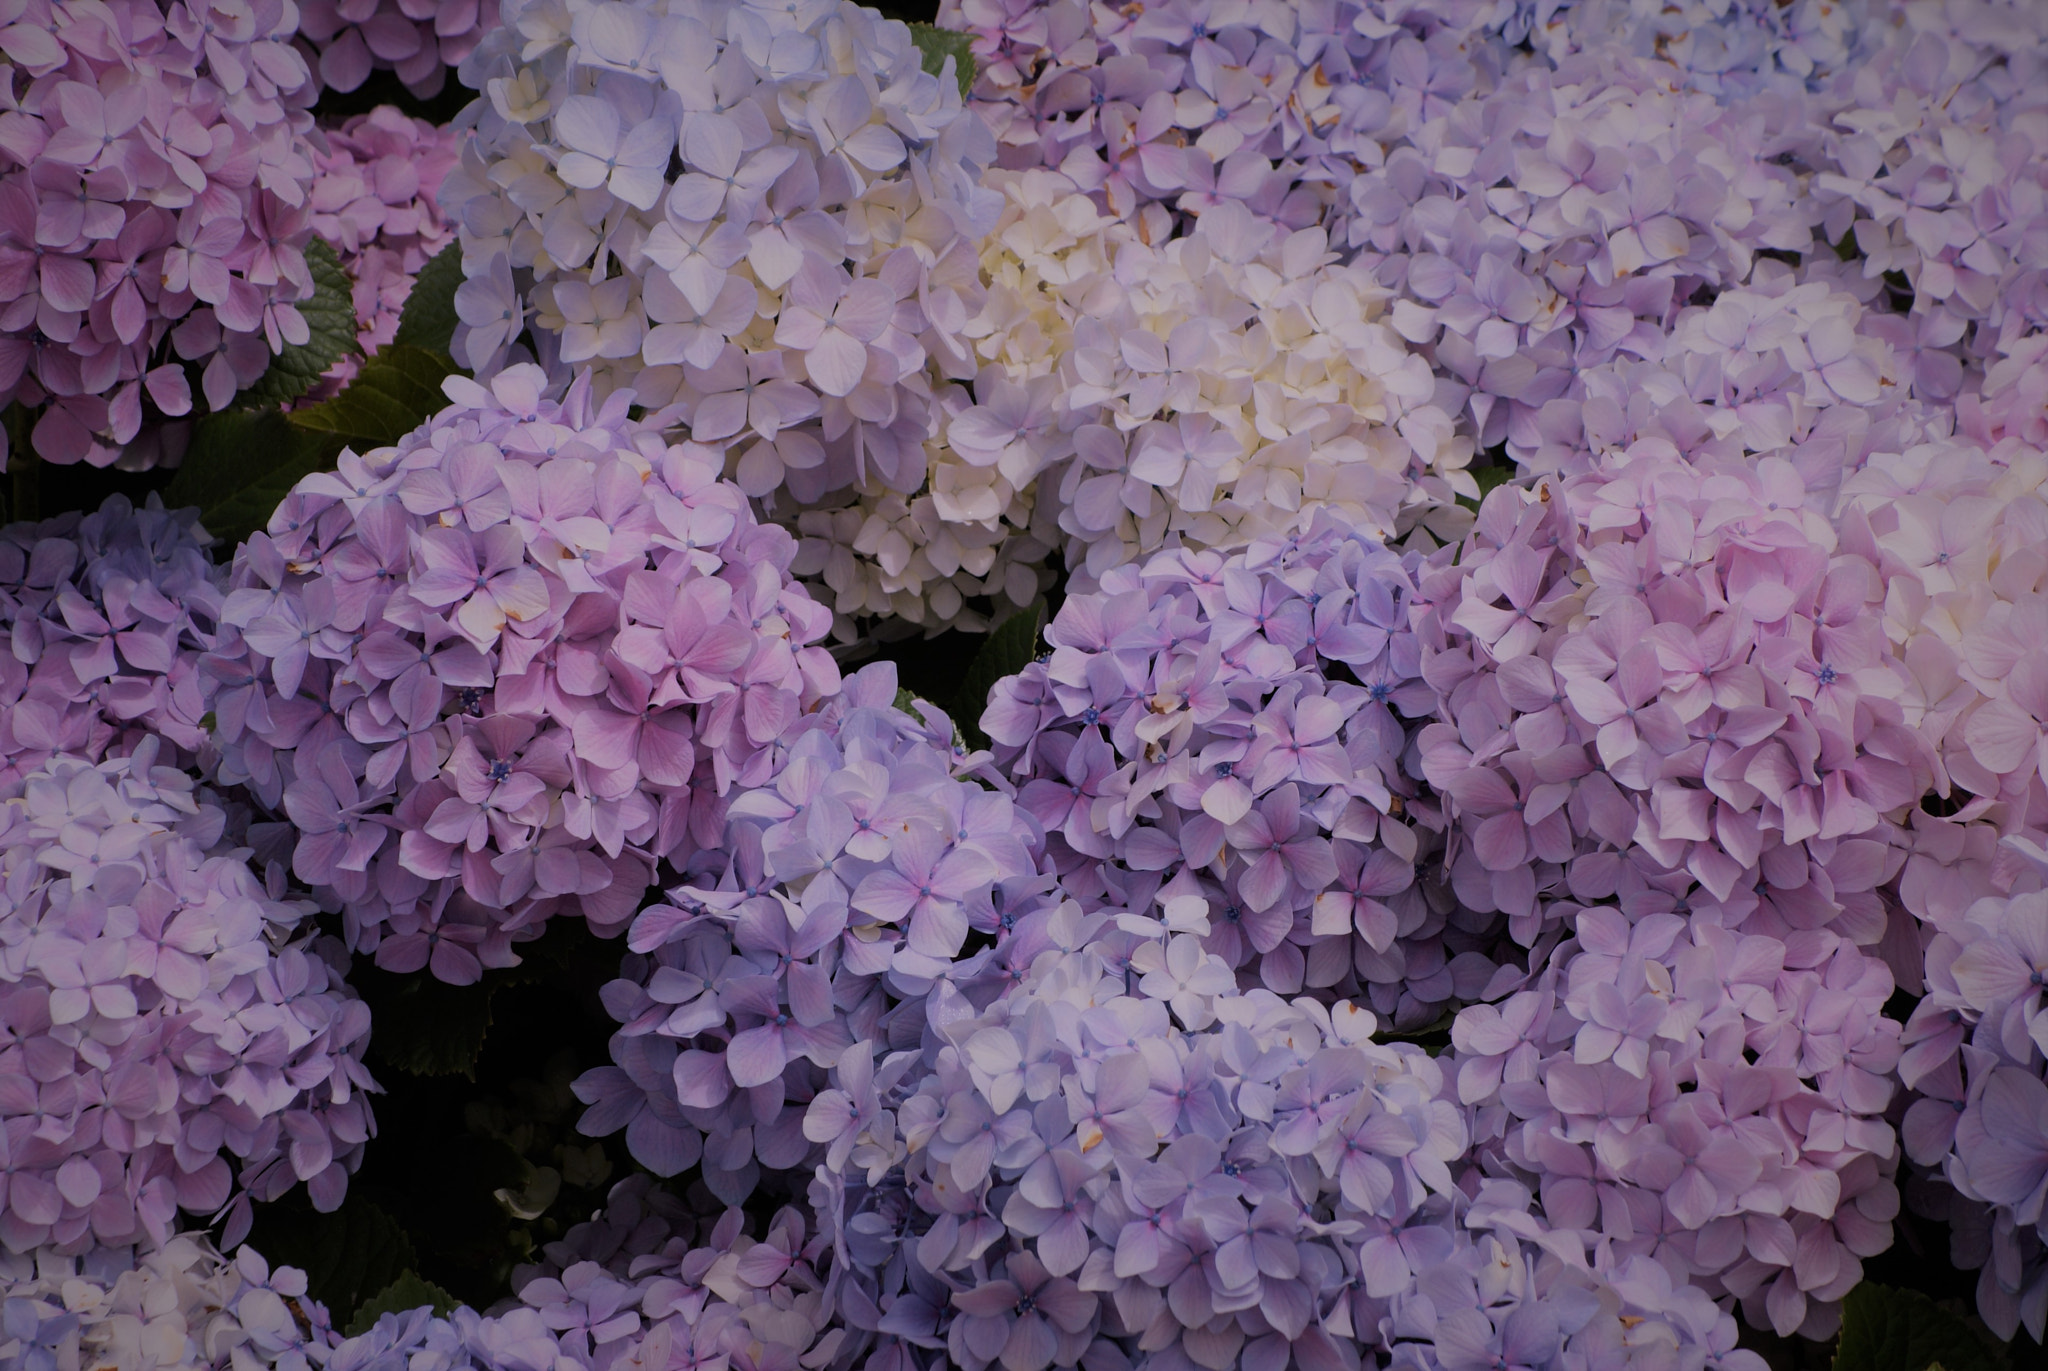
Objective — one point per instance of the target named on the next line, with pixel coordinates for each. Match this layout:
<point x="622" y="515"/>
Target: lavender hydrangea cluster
<point x="373" y="201"/>
<point x="105" y="614"/>
<point x="163" y="1015"/>
<point x="420" y="41"/>
<point x="501" y="670"/>
<point x="153" y="213"/>
<point x="767" y="214"/>
<point x="1225" y="735"/>
<point x="847" y="881"/>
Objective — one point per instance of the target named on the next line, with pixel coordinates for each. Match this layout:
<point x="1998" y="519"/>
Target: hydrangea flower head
<point x="146" y="968"/>
<point x="153" y="214"/>
<point x="764" y="213"/>
<point x="505" y="667"/>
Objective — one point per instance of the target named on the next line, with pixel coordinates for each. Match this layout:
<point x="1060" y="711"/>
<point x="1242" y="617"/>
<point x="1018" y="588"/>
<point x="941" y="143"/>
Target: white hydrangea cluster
<point x="182" y="1307"/>
<point x="1136" y="390"/>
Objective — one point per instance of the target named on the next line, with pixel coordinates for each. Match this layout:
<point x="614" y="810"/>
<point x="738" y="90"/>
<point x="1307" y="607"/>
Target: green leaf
<point x="347" y="1256"/>
<point x="937" y="44"/>
<point x="394" y="393"/>
<point x="406" y="1293"/>
<point x="1489" y="475"/>
<point x="1884" y="1329"/>
<point x="426" y="1027"/>
<point x="1009" y="649"/>
<point x="240" y="466"/>
<point x="331" y="322"/>
<point x="428" y="320"/>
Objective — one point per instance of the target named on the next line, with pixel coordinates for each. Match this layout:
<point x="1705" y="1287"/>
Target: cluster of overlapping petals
<point x="105" y="615"/>
<point x="506" y="667"/>
<point x="1646" y="778"/>
<point x="420" y="41"/>
<point x="791" y="280"/>
<point x="164" y="1015"/>
<point x="1201" y="390"/>
<point x="373" y="202"/>
<point x="153" y="212"/>
<point x="1229" y="732"/>
<point x="181" y="1306"/>
<point x="844" y="883"/>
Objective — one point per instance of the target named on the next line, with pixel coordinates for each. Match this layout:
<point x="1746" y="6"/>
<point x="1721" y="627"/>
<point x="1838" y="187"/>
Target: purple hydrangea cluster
<point x="1225" y="734"/>
<point x="171" y="1041"/>
<point x="105" y="614"/>
<point x="502" y="669"/>
<point x="419" y="40"/>
<point x="373" y="202"/>
<point x="181" y="1305"/>
<point x="1122" y="1158"/>
<point x="849" y="878"/>
<point x="767" y="214"/>
<point x="154" y="166"/>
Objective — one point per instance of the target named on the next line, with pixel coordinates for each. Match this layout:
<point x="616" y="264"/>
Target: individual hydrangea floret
<point x="154" y="165"/>
<point x="501" y="670"/>
<point x="178" y="1043"/>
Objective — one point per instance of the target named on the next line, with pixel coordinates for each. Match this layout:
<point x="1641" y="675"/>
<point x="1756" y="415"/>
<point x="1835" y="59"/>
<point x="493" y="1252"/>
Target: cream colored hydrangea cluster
<point x="1137" y="390"/>
<point x="1962" y="526"/>
<point x="1224" y="385"/>
<point x="183" y="1307"/>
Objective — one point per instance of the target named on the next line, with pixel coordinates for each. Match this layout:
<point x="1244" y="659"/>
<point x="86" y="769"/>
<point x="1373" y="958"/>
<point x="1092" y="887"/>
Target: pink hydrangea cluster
<point x="1674" y="664"/>
<point x="1947" y="193"/>
<point x="1228" y="732"/>
<point x="419" y="40"/>
<point x="153" y="212"/>
<point x="501" y="670"/>
<point x="105" y="615"/>
<point x="373" y="202"/>
<point x="846" y="881"/>
<point x="1678" y="1087"/>
<point x="172" y="1041"/>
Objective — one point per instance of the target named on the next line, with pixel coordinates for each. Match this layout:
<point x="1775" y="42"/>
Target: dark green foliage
<point x="407" y="1292"/>
<point x="241" y="465"/>
<point x="477" y="1157"/>
<point x="937" y="44"/>
<point x="331" y="320"/>
<point x="347" y="1256"/>
<point x="393" y="394"/>
<point x="1885" y="1329"/>
<point x="428" y="320"/>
